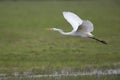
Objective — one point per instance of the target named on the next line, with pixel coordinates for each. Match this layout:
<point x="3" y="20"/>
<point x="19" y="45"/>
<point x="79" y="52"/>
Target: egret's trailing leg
<point x="104" y="42"/>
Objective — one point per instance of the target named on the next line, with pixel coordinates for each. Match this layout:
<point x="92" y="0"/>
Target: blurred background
<point x="26" y="44"/>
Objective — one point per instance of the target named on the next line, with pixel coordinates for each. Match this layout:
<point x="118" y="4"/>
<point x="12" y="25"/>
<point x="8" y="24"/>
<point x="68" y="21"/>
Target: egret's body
<point x="80" y="27"/>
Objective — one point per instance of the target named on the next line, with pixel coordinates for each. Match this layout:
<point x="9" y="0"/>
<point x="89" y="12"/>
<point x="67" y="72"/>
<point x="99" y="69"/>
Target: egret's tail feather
<point x="104" y="42"/>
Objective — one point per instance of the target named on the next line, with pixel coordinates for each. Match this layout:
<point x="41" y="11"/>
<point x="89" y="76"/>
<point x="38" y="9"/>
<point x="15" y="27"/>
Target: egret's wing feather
<point x="73" y="19"/>
<point x="86" y="26"/>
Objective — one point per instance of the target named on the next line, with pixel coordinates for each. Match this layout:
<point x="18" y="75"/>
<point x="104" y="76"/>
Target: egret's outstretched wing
<point x="86" y="26"/>
<point x="73" y="19"/>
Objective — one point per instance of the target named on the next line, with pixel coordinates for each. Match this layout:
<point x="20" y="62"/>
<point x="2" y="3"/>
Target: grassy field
<point x="70" y="78"/>
<point x="27" y="46"/>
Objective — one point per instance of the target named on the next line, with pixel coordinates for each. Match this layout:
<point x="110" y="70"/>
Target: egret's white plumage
<point x="73" y="19"/>
<point x="80" y="27"/>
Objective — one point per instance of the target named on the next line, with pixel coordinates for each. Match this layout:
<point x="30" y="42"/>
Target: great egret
<point x="82" y="28"/>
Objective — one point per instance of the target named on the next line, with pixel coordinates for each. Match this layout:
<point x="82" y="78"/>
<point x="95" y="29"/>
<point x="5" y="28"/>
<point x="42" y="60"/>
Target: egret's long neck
<point x="62" y="32"/>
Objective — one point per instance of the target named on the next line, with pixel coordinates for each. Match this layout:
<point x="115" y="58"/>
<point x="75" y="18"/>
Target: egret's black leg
<point x="104" y="42"/>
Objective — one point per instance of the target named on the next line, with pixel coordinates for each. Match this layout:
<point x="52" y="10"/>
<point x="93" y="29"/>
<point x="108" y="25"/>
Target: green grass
<point x="26" y="45"/>
<point x="113" y="77"/>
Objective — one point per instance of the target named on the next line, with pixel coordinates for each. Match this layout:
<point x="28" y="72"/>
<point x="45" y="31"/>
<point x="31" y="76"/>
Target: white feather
<point x="86" y="26"/>
<point x="73" y="19"/>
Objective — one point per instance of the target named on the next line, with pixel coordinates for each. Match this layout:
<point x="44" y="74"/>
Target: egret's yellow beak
<point x="49" y="29"/>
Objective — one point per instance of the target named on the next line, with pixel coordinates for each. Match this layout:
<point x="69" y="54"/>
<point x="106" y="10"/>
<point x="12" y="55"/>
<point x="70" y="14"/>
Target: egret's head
<point x="54" y="29"/>
<point x="51" y="29"/>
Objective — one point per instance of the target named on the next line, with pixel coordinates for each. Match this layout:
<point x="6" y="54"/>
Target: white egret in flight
<point x="82" y="28"/>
